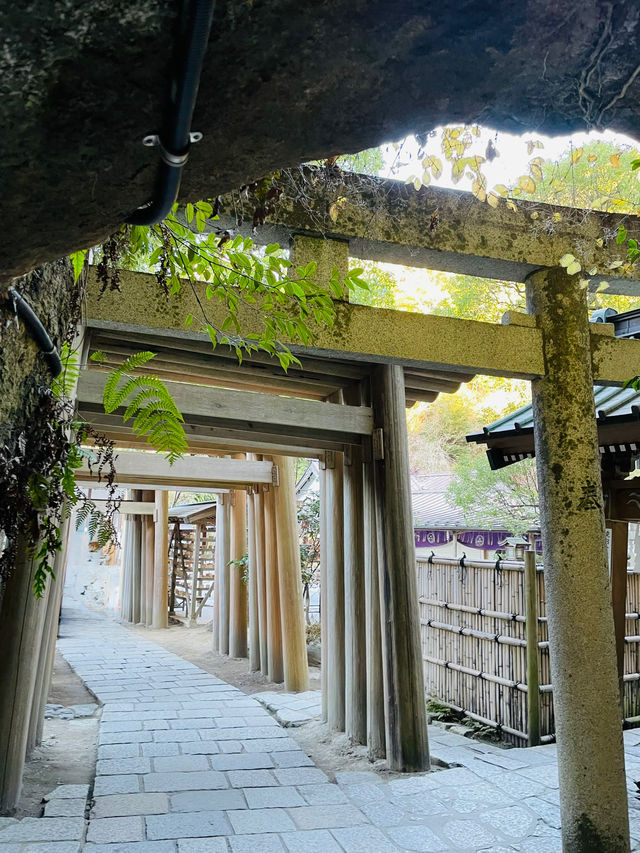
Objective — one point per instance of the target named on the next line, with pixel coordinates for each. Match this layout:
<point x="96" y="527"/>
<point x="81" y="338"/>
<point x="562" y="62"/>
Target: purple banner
<point x="431" y="538"/>
<point x="485" y="540"/>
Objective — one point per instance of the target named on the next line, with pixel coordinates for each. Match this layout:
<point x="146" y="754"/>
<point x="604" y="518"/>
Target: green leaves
<point x="149" y="404"/>
<point x="78" y="260"/>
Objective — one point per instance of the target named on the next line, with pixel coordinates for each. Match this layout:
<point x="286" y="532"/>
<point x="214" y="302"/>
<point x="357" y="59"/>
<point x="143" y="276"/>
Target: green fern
<point x="152" y="409"/>
<point x="62" y="385"/>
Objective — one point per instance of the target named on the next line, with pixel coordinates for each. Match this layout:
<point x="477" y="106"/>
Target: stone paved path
<point x="189" y="764"/>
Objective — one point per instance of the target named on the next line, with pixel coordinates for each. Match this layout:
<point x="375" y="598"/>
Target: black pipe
<point x="176" y="138"/>
<point x="37" y="331"/>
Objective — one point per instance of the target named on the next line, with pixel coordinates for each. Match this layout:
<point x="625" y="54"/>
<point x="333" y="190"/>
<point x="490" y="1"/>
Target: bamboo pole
<point x="193" y="614"/>
<point x="533" y="674"/>
<point x="254" y="615"/>
<point x="407" y="746"/>
<point x="237" y="586"/>
<point x="274" y="623"/>
<point x="294" y="642"/>
<point x="619" y="547"/>
<point x="160" y="617"/>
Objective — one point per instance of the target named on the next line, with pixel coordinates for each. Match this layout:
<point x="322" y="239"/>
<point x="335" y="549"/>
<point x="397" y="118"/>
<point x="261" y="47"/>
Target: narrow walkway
<point x="189" y="764"/>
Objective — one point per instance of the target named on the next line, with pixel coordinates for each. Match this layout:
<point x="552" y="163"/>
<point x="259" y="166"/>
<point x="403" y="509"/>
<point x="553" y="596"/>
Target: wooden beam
<point x="199" y="472"/>
<point x="256" y="412"/>
<point x="204" y="439"/>
<point x="129" y="507"/>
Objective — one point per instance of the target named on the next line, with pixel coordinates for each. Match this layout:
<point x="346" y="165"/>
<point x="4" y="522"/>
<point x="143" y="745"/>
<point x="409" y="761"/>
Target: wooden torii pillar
<point x="220" y="641"/>
<point x="294" y="645"/>
<point x="405" y="710"/>
<point x="237" y="586"/>
<point x="22" y="617"/>
<point x="160" y="617"/>
<point x="275" y="663"/>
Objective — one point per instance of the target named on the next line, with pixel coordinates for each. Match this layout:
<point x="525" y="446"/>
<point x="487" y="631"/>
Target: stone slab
<point x="115" y="829"/>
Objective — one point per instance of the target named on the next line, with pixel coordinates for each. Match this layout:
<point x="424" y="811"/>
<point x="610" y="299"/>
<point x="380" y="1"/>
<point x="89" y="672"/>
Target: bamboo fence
<point x="474" y="644"/>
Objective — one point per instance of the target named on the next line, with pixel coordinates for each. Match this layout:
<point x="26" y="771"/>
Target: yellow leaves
<point x="512" y="205"/>
<point x="535" y="167"/>
<point x="532" y="144"/>
<point x="614" y="265"/>
<point x="576" y="155"/>
<point x="452" y="147"/>
<point x="474" y="163"/>
<point x="479" y="188"/>
<point x="501" y="190"/>
<point x="570" y="263"/>
<point x="493" y="200"/>
<point x="462" y="163"/>
<point x="557" y="217"/>
<point x="536" y="171"/>
<point x="592" y="158"/>
<point x="457" y="170"/>
<point x="334" y="209"/>
<point x="615" y="160"/>
<point x="434" y="164"/>
<point x="527" y="184"/>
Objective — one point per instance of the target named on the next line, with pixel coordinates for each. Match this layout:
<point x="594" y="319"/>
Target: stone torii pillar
<point x="586" y="698"/>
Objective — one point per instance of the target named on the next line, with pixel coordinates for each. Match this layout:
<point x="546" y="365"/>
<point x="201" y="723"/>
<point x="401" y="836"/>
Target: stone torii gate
<point x="553" y="346"/>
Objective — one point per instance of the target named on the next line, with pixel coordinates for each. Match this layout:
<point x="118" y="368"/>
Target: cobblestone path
<point x="189" y="764"/>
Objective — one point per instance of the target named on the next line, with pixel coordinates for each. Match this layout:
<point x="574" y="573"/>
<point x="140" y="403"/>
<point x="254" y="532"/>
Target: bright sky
<point x="513" y="160"/>
<point x="402" y="163"/>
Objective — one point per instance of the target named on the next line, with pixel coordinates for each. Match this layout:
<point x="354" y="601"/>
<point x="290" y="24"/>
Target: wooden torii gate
<point x="553" y="346"/>
<point x="367" y="366"/>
